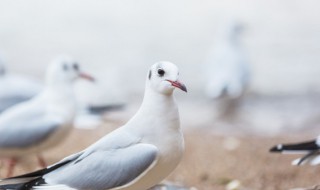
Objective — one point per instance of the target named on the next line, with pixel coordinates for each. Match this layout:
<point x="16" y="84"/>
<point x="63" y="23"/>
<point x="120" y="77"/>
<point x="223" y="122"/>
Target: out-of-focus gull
<point x="226" y="69"/>
<point x="135" y="156"/>
<point x="43" y="121"/>
<point x="15" y="89"/>
<point x="310" y="149"/>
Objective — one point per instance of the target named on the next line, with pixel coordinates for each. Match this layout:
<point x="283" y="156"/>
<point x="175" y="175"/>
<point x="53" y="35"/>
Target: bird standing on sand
<point x="42" y="122"/>
<point x="311" y="149"/>
<point x="135" y="156"/>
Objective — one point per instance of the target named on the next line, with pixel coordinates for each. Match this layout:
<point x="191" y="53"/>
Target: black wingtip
<point x="105" y="108"/>
<point x="276" y="149"/>
<point x="304" y="146"/>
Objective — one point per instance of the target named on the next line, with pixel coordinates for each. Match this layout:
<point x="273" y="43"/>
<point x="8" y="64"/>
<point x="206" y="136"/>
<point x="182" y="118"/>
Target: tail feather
<point x="106" y="108"/>
<point x="24" y="185"/>
<point x="41" y="172"/>
<point x="27" y="181"/>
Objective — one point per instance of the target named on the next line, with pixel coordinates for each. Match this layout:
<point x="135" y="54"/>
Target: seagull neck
<point x="158" y="112"/>
<point x="60" y="100"/>
<point x="157" y="105"/>
<point x="60" y="89"/>
<point x="157" y="100"/>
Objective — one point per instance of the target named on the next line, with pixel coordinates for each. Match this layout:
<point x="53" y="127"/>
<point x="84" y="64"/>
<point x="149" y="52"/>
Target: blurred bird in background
<point x="227" y="70"/>
<point x="310" y="149"/>
<point x="44" y="121"/>
<point x="15" y="88"/>
<point x="19" y="88"/>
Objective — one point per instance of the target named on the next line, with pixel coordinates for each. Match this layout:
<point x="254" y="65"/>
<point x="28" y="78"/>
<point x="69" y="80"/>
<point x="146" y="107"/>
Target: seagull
<point x="311" y="149"/>
<point x="42" y="122"/>
<point x="227" y="70"/>
<point x="136" y="156"/>
<point x="15" y="88"/>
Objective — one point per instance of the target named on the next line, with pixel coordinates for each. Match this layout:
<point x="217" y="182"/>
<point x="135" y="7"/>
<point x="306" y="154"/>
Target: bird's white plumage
<point x="151" y="143"/>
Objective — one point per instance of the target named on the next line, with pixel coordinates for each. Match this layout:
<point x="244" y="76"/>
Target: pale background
<point x="118" y="40"/>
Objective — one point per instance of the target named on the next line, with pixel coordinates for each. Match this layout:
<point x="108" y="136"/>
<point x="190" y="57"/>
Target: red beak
<point x="86" y="76"/>
<point x="178" y="84"/>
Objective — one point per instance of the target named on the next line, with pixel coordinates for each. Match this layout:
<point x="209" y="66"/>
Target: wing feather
<point x="106" y="169"/>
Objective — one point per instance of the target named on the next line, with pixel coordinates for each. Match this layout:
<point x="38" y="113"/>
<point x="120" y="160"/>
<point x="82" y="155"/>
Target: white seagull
<point x="135" y="156"/>
<point x="227" y="70"/>
<point x="311" y="149"/>
<point x="15" y="89"/>
<point x="43" y="121"/>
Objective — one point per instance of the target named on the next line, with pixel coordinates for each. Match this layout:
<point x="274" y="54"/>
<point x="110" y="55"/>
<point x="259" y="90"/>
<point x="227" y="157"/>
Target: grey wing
<point x="26" y="132"/>
<point x="106" y="169"/>
<point x="7" y="102"/>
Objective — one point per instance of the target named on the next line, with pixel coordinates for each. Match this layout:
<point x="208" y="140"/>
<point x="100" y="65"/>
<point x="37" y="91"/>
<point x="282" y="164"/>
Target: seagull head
<point x="234" y="30"/>
<point x="67" y="70"/>
<point x="163" y="78"/>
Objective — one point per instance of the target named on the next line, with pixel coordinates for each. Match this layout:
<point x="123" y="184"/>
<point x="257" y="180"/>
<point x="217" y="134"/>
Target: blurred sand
<point x="207" y="163"/>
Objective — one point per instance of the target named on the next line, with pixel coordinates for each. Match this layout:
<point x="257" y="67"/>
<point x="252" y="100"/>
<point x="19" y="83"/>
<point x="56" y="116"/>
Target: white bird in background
<point x="15" y="89"/>
<point x="135" y="156"/>
<point x="227" y="70"/>
<point x="311" y="149"/>
<point x="44" y="121"/>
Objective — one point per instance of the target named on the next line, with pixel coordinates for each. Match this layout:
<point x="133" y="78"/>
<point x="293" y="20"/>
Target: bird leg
<point x="41" y="161"/>
<point x="11" y="164"/>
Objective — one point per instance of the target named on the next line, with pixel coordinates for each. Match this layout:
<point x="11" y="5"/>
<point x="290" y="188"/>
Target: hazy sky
<point x="118" y="40"/>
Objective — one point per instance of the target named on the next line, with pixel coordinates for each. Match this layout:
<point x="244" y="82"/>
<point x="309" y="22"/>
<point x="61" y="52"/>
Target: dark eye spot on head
<point x="150" y="73"/>
<point x="65" y="67"/>
<point x="161" y="72"/>
<point x="76" y="66"/>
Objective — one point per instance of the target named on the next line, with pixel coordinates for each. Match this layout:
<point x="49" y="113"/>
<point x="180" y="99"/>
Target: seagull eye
<point x="161" y="72"/>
